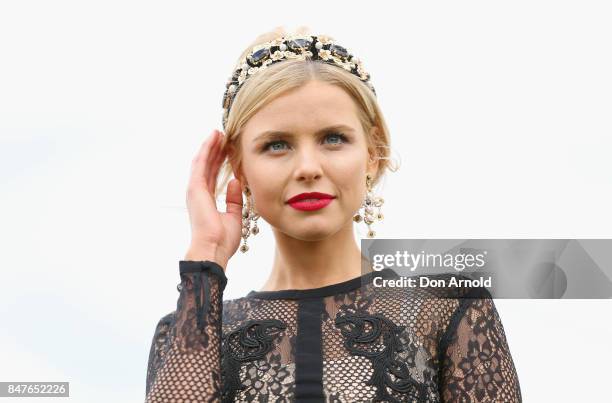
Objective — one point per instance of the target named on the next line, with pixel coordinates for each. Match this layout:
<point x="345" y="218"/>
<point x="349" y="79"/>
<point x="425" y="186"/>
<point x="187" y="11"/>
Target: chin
<point x="311" y="237"/>
<point x="312" y="234"/>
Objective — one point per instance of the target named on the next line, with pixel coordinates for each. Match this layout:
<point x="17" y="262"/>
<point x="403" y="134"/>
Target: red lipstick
<point x="310" y="201"/>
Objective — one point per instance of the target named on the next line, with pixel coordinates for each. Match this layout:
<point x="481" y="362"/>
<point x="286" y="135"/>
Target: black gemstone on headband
<point x="260" y="55"/>
<point x="339" y="51"/>
<point x="299" y="44"/>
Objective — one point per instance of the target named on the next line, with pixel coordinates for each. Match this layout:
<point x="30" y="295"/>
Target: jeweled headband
<point x="301" y="47"/>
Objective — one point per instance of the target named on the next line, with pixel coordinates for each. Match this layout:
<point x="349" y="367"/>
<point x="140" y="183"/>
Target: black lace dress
<point x="347" y="342"/>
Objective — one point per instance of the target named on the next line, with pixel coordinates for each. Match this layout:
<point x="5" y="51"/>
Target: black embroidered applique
<point x="250" y="342"/>
<point x="447" y="349"/>
<point x="362" y="334"/>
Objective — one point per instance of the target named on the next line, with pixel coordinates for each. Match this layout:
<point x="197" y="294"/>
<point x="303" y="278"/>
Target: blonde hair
<point x="278" y="78"/>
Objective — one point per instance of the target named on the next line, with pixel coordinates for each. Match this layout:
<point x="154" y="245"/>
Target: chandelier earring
<point x="249" y="220"/>
<point x="369" y="203"/>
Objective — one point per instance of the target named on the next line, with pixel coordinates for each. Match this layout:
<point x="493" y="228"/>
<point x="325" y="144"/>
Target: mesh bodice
<point x="348" y="342"/>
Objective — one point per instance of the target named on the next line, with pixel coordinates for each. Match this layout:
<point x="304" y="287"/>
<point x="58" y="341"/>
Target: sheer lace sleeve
<point x="185" y="356"/>
<point x="476" y="365"/>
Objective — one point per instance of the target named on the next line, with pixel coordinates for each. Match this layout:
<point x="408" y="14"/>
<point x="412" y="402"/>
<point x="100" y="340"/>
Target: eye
<point x="268" y="145"/>
<point x="340" y="138"/>
<point x="337" y="135"/>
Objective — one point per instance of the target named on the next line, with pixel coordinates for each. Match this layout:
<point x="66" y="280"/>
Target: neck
<point x="302" y="264"/>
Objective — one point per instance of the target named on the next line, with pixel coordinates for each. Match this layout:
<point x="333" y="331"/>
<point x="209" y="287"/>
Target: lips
<point x="310" y="195"/>
<point x="310" y="201"/>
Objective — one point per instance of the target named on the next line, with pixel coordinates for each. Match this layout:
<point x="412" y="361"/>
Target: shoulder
<point x="437" y="302"/>
<point x="235" y="303"/>
<point x="237" y="310"/>
<point x="230" y="307"/>
<point x="468" y="307"/>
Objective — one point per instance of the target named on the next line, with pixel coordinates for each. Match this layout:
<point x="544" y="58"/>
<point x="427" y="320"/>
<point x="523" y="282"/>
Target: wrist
<point x="201" y="253"/>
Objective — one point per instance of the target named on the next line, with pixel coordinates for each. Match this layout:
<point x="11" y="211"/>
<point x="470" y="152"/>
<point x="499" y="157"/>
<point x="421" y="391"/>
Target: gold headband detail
<point x="309" y="47"/>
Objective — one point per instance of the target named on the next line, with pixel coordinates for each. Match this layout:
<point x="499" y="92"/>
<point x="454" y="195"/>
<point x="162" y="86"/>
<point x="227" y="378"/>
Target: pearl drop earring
<point x="248" y="216"/>
<point x="368" y="204"/>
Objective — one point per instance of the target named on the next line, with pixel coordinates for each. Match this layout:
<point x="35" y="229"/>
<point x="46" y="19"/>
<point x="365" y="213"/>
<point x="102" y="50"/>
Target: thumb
<point x="233" y="198"/>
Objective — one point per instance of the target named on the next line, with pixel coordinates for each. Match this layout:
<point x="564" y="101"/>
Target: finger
<point x="233" y="199"/>
<point x="201" y="154"/>
<point x="200" y="157"/>
<point x="215" y="166"/>
<point x="198" y="169"/>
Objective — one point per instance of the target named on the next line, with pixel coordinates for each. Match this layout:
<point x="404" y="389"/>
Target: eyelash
<point x="342" y="136"/>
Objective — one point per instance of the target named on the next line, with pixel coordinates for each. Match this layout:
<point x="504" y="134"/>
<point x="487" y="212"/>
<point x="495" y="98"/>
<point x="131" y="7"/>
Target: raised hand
<point x="215" y="235"/>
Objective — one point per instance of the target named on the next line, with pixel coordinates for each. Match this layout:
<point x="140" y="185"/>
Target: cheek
<point x="269" y="194"/>
<point x="350" y="171"/>
<point x="258" y="176"/>
<point x="351" y="188"/>
<point x="353" y="159"/>
<point x="268" y="190"/>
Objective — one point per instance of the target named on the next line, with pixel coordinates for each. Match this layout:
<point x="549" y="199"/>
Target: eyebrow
<point x="279" y="133"/>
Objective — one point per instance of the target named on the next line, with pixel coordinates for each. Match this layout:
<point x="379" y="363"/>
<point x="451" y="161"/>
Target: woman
<point x="318" y="331"/>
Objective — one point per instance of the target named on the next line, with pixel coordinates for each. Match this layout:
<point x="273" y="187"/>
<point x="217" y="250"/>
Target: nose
<point x="308" y="166"/>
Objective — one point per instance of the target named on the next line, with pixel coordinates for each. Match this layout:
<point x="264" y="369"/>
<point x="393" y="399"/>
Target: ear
<point x="237" y="171"/>
<point x="236" y="168"/>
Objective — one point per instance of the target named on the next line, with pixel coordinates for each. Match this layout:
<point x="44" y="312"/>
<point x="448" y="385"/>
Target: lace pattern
<point x="384" y="345"/>
<point x="186" y="351"/>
